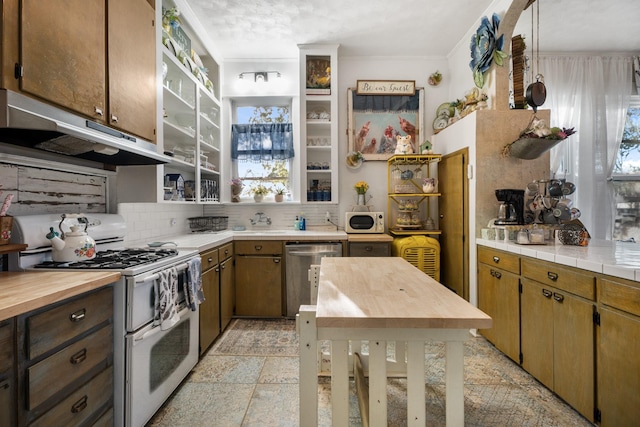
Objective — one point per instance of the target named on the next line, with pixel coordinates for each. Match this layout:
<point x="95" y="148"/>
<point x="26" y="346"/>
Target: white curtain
<point x="590" y="93"/>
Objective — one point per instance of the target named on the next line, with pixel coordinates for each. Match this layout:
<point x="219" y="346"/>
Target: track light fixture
<point x="260" y="76"/>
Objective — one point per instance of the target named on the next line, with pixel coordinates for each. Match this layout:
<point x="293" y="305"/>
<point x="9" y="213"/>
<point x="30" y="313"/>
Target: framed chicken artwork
<point x="376" y="121"/>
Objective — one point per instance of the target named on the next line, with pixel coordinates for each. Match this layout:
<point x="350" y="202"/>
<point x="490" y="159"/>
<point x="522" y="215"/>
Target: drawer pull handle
<point x="78" y="316"/>
<point x="79" y="357"/>
<point x="276" y="260"/>
<point x="496" y="274"/>
<point x="368" y="248"/>
<point x="496" y="259"/>
<point x="558" y="297"/>
<point x="98" y="111"/>
<point x="547" y="293"/>
<point x="4" y="385"/>
<point x="226" y="251"/>
<point x="80" y="405"/>
<point x="217" y="270"/>
<point x="258" y="247"/>
<point x="114" y="118"/>
<point x="209" y="259"/>
<point x="552" y="276"/>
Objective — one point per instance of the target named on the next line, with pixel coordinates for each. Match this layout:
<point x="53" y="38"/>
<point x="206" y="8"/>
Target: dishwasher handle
<point x="311" y="253"/>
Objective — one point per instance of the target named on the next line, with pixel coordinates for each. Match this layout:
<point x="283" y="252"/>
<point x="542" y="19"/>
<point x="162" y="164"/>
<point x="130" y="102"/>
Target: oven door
<point x="157" y="361"/>
<point x="141" y="296"/>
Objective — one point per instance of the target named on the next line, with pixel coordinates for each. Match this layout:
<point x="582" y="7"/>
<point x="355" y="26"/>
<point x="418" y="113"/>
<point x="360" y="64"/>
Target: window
<point x="626" y="178"/>
<point x="269" y="165"/>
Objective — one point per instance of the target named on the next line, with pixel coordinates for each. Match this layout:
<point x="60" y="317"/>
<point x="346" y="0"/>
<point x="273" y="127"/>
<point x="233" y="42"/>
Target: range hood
<point x="30" y="123"/>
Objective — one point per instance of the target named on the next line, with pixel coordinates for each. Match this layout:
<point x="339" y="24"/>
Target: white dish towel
<point x="166" y="294"/>
<point x="193" y="289"/>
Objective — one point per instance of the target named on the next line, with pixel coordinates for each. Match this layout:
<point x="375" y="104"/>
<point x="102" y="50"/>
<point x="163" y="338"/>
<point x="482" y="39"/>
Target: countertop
<point x="204" y="241"/>
<point x="21" y="292"/>
<point x="397" y="301"/>
<point x="618" y="259"/>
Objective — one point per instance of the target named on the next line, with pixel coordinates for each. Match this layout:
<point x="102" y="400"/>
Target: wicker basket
<point x="208" y="223"/>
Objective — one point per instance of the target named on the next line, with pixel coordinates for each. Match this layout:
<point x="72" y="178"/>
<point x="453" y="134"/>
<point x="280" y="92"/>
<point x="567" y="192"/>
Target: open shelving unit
<point x="409" y="206"/>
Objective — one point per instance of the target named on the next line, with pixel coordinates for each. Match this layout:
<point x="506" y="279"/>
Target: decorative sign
<point x="386" y="87"/>
<point x="182" y="39"/>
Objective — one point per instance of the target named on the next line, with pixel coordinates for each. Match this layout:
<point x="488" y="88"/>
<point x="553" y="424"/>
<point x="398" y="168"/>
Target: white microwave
<point x="364" y="222"/>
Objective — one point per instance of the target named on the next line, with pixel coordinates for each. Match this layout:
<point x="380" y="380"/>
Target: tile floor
<point x="249" y="377"/>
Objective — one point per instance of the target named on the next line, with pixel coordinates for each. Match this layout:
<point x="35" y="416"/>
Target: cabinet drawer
<point x="6" y="346"/>
<point x="565" y="278"/>
<point x="258" y="247"/>
<point x="369" y="249"/>
<point x="52" y="374"/>
<point x="225" y="251"/>
<point x="53" y="327"/>
<point x="499" y="259"/>
<point x="209" y="259"/>
<point x="621" y="294"/>
<point x="80" y="405"/>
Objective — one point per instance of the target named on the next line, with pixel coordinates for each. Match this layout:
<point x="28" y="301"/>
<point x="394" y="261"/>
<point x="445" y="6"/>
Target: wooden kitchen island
<point x="382" y="300"/>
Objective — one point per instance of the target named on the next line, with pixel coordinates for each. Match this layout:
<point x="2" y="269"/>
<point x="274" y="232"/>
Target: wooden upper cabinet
<point x="63" y="53"/>
<point x="93" y="57"/>
<point x="132" y="67"/>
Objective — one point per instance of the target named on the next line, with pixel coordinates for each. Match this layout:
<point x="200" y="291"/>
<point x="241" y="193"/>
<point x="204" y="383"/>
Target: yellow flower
<point x="361" y="187"/>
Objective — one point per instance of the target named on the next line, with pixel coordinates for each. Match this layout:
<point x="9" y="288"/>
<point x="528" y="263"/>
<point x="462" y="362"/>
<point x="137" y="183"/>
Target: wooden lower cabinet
<point x="227" y="292"/>
<point x="498" y="296"/>
<point x="259" y="286"/>
<point x="7" y="370"/>
<point x="619" y="353"/>
<point x="369" y="249"/>
<point x="209" y="310"/>
<point x="64" y="362"/>
<point x="259" y="275"/>
<point x="558" y="343"/>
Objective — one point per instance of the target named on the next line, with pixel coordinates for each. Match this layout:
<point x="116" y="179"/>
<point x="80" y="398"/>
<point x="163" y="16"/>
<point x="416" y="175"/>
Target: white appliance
<point x="149" y="363"/>
<point x="364" y="222"/>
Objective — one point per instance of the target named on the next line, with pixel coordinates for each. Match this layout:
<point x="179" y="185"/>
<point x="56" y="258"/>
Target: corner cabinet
<point x="410" y="202"/>
<point x="189" y="117"/>
<point x="319" y="119"/>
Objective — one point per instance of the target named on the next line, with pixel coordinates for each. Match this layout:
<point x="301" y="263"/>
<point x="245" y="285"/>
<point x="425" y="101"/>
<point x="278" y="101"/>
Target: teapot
<point x="75" y="245"/>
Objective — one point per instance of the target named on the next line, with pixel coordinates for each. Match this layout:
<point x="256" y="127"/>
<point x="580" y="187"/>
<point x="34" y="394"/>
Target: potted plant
<point x="236" y="189"/>
<point x="259" y="191"/>
<point x="280" y="194"/>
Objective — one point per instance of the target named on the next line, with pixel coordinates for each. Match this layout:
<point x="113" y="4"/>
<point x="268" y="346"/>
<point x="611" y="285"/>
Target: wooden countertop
<point x="388" y="292"/>
<point x="21" y="292"/>
<point x="366" y="237"/>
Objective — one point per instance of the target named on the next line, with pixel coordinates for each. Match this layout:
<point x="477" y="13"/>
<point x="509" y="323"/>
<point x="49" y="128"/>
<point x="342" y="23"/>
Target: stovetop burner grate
<point x="114" y="259"/>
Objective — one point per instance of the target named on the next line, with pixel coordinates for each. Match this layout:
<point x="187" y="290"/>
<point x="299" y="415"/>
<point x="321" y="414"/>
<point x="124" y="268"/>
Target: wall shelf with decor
<point x="409" y="196"/>
<point x="188" y="114"/>
<point x="319" y="117"/>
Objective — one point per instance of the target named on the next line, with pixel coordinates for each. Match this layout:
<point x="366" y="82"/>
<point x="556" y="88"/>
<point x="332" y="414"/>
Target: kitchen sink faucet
<point x="261" y="219"/>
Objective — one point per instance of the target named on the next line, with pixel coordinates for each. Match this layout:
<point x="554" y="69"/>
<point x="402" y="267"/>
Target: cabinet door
<point x="209" y="309"/>
<point x="619" y="369"/>
<point x="7" y="406"/>
<point x="132" y="67"/>
<point x="63" y="53"/>
<point x="227" y="293"/>
<point x="574" y="352"/>
<point x="258" y="286"/>
<point x="498" y="296"/>
<point x="537" y="331"/>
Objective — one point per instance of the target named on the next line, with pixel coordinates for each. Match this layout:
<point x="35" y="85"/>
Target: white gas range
<point x="150" y="360"/>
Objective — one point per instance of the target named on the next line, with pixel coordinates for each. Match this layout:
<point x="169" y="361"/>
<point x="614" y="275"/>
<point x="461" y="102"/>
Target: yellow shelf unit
<point x="408" y="206"/>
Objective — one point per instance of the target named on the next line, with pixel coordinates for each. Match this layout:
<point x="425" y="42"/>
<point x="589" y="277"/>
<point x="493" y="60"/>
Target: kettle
<point x="75" y="245"/>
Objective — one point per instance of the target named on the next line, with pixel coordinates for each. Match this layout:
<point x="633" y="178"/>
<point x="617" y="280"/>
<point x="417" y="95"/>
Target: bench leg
<point x="377" y="383"/>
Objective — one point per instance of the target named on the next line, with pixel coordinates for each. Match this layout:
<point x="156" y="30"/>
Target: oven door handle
<point x="156" y="276"/>
<point x="143" y="335"/>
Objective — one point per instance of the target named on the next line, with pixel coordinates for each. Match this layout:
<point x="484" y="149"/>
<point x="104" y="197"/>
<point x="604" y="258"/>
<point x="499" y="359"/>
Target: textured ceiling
<point x="427" y="28"/>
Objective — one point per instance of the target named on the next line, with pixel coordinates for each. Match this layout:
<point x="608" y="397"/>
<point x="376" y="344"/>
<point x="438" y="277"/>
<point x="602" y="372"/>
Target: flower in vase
<point x="361" y="187"/>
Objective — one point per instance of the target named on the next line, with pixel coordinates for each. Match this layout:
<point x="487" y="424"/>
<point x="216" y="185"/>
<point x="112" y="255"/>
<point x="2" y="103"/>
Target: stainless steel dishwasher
<point x="299" y="258"/>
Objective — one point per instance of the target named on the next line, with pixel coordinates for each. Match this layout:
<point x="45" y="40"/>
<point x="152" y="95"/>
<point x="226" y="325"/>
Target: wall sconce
<point x="260" y="76"/>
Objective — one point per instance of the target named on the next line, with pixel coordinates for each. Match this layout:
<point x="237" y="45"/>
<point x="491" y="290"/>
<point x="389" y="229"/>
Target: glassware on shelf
<point x="396" y="173"/>
<point x="417" y="172"/>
